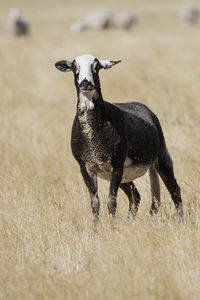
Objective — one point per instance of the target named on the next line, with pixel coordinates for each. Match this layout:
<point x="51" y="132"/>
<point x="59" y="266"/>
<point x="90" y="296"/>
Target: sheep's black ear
<point x="64" y="65"/>
<point x="106" y="64"/>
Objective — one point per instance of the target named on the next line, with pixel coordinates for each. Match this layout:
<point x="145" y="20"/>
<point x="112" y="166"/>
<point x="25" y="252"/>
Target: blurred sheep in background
<point x="17" y="25"/>
<point x="102" y="19"/>
<point x="98" y="20"/>
<point x="124" y="20"/>
<point x="189" y="14"/>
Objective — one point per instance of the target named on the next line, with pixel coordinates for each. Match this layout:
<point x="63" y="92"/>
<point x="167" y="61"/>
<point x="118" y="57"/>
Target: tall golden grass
<point x="48" y="249"/>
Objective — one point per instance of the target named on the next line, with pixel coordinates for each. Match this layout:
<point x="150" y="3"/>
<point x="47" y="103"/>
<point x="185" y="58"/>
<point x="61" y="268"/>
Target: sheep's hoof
<point x="132" y="213"/>
<point x="153" y="211"/>
<point x="112" y="206"/>
<point x="180" y="212"/>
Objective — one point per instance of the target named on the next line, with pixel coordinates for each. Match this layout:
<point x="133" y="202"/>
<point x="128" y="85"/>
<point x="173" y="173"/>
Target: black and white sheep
<point x="118" y="142"/>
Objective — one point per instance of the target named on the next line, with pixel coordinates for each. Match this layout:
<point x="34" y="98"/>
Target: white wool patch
<point x="85" y="67"/>
<point x="86" y="102"/>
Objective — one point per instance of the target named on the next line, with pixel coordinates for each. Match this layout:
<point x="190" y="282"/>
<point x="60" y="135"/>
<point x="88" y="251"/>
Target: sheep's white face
<point x="85" y="68"/>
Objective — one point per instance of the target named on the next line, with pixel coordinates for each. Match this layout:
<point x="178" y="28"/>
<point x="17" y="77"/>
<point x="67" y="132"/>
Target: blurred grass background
<point x="48" y="249"/>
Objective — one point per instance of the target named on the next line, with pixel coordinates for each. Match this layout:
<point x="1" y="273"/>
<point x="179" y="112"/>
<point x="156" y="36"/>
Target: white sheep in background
<point x="189" y="14"/>
<point x="98" y="20"/>
<point x="17" y="25"/>
<point x="124" y="20"/>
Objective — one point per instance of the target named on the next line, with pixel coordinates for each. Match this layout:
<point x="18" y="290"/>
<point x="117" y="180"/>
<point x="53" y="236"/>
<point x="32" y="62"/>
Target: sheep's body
<point x="118" y="142"/>
<point x="135" y="122"/>
<point x="124" y="19"/>
<point x="98" y="20"/>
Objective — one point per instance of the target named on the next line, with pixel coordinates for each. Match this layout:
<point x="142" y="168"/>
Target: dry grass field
<point x="48" y="248"/>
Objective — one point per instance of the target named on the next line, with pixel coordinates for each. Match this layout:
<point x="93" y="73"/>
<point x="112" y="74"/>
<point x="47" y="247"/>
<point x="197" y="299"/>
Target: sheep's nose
<point x="86" y="85"/>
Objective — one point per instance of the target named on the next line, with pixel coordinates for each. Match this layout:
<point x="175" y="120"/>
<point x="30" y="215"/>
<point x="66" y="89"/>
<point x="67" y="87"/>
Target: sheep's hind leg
<point x="166" y="172"/>
<point x="133" y="196"/>
<point x="155" y="190"/>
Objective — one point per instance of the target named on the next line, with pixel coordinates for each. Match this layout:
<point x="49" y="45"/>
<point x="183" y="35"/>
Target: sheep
<point x="95" y="21"/>
<point x="98" y="20"/>
<point x="17" y="25"/>
<point x="118" y="142"/>
<point x="189" y="14"/>
<point x="124" y="19"/>
<point x="102" y="19"/>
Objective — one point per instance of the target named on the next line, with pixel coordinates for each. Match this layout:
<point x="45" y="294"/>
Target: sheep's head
<point x="14" y="14"/>
<point x="85" y="69"/>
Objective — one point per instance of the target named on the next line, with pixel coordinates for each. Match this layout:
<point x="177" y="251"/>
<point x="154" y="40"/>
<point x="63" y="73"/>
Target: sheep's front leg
<point x="116" y="176"/>
<point x="90" y="179"/>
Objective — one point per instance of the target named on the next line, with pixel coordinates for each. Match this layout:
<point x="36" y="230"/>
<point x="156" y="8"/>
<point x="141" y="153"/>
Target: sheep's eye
<point x="76" y="68"/>
<point x="94" y="66"/>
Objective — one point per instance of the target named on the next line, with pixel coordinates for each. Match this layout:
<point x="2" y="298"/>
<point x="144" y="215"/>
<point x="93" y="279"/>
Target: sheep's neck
<point x="89" y="101"/>
<point x="90" y="108"/>
<point x="86" y="101"/>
